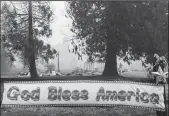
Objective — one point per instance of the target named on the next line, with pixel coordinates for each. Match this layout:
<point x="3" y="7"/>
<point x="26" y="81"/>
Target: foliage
<point x="15" y="29"/>
<point x="137" y="29"/>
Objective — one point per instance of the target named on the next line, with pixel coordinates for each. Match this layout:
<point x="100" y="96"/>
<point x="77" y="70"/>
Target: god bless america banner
<point x="83" y="93"/>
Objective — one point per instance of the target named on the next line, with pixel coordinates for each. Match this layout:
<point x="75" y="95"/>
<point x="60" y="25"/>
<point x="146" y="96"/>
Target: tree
<point x="130" y="30"/>
<point x="26" y="23"/>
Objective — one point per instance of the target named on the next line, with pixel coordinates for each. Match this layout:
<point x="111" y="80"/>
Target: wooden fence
<point x="94" y="66"/>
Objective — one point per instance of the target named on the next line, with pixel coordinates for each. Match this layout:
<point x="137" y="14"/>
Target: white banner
<point x="83" y="93"/>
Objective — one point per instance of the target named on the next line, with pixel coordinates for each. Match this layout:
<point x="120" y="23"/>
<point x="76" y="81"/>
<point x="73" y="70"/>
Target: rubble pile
<point x="80" y="72"/>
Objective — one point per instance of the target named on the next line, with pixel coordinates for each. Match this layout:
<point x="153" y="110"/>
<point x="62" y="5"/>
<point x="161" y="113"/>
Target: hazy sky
<point x="61" y="32"/>
<point x="60" y="25"/>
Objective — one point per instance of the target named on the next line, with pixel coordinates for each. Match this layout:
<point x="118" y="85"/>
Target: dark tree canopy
<point x="130" y="30"/>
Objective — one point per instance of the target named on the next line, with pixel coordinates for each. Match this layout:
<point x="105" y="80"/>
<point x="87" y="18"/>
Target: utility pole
<point x="58" y="62"/>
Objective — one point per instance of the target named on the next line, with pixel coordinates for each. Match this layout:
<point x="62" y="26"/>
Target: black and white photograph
<point x="84" y="58"/>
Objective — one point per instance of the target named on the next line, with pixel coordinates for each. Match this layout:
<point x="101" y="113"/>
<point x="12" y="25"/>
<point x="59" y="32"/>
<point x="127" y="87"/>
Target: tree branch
<point x="23" y="21"/>
<point x="41" y="18"/>
<point x="21" y="14"/>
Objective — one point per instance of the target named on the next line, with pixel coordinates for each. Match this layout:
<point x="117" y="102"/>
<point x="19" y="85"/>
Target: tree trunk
<point x="32" y="64"/>
<point x="110" y="68"/>
<point x="111" y="63"/>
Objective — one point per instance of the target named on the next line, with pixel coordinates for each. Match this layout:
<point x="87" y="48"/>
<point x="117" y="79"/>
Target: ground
<point x="77" y="111"/>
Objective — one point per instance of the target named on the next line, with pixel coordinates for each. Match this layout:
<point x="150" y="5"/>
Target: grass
<point x="77" y="111"/>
